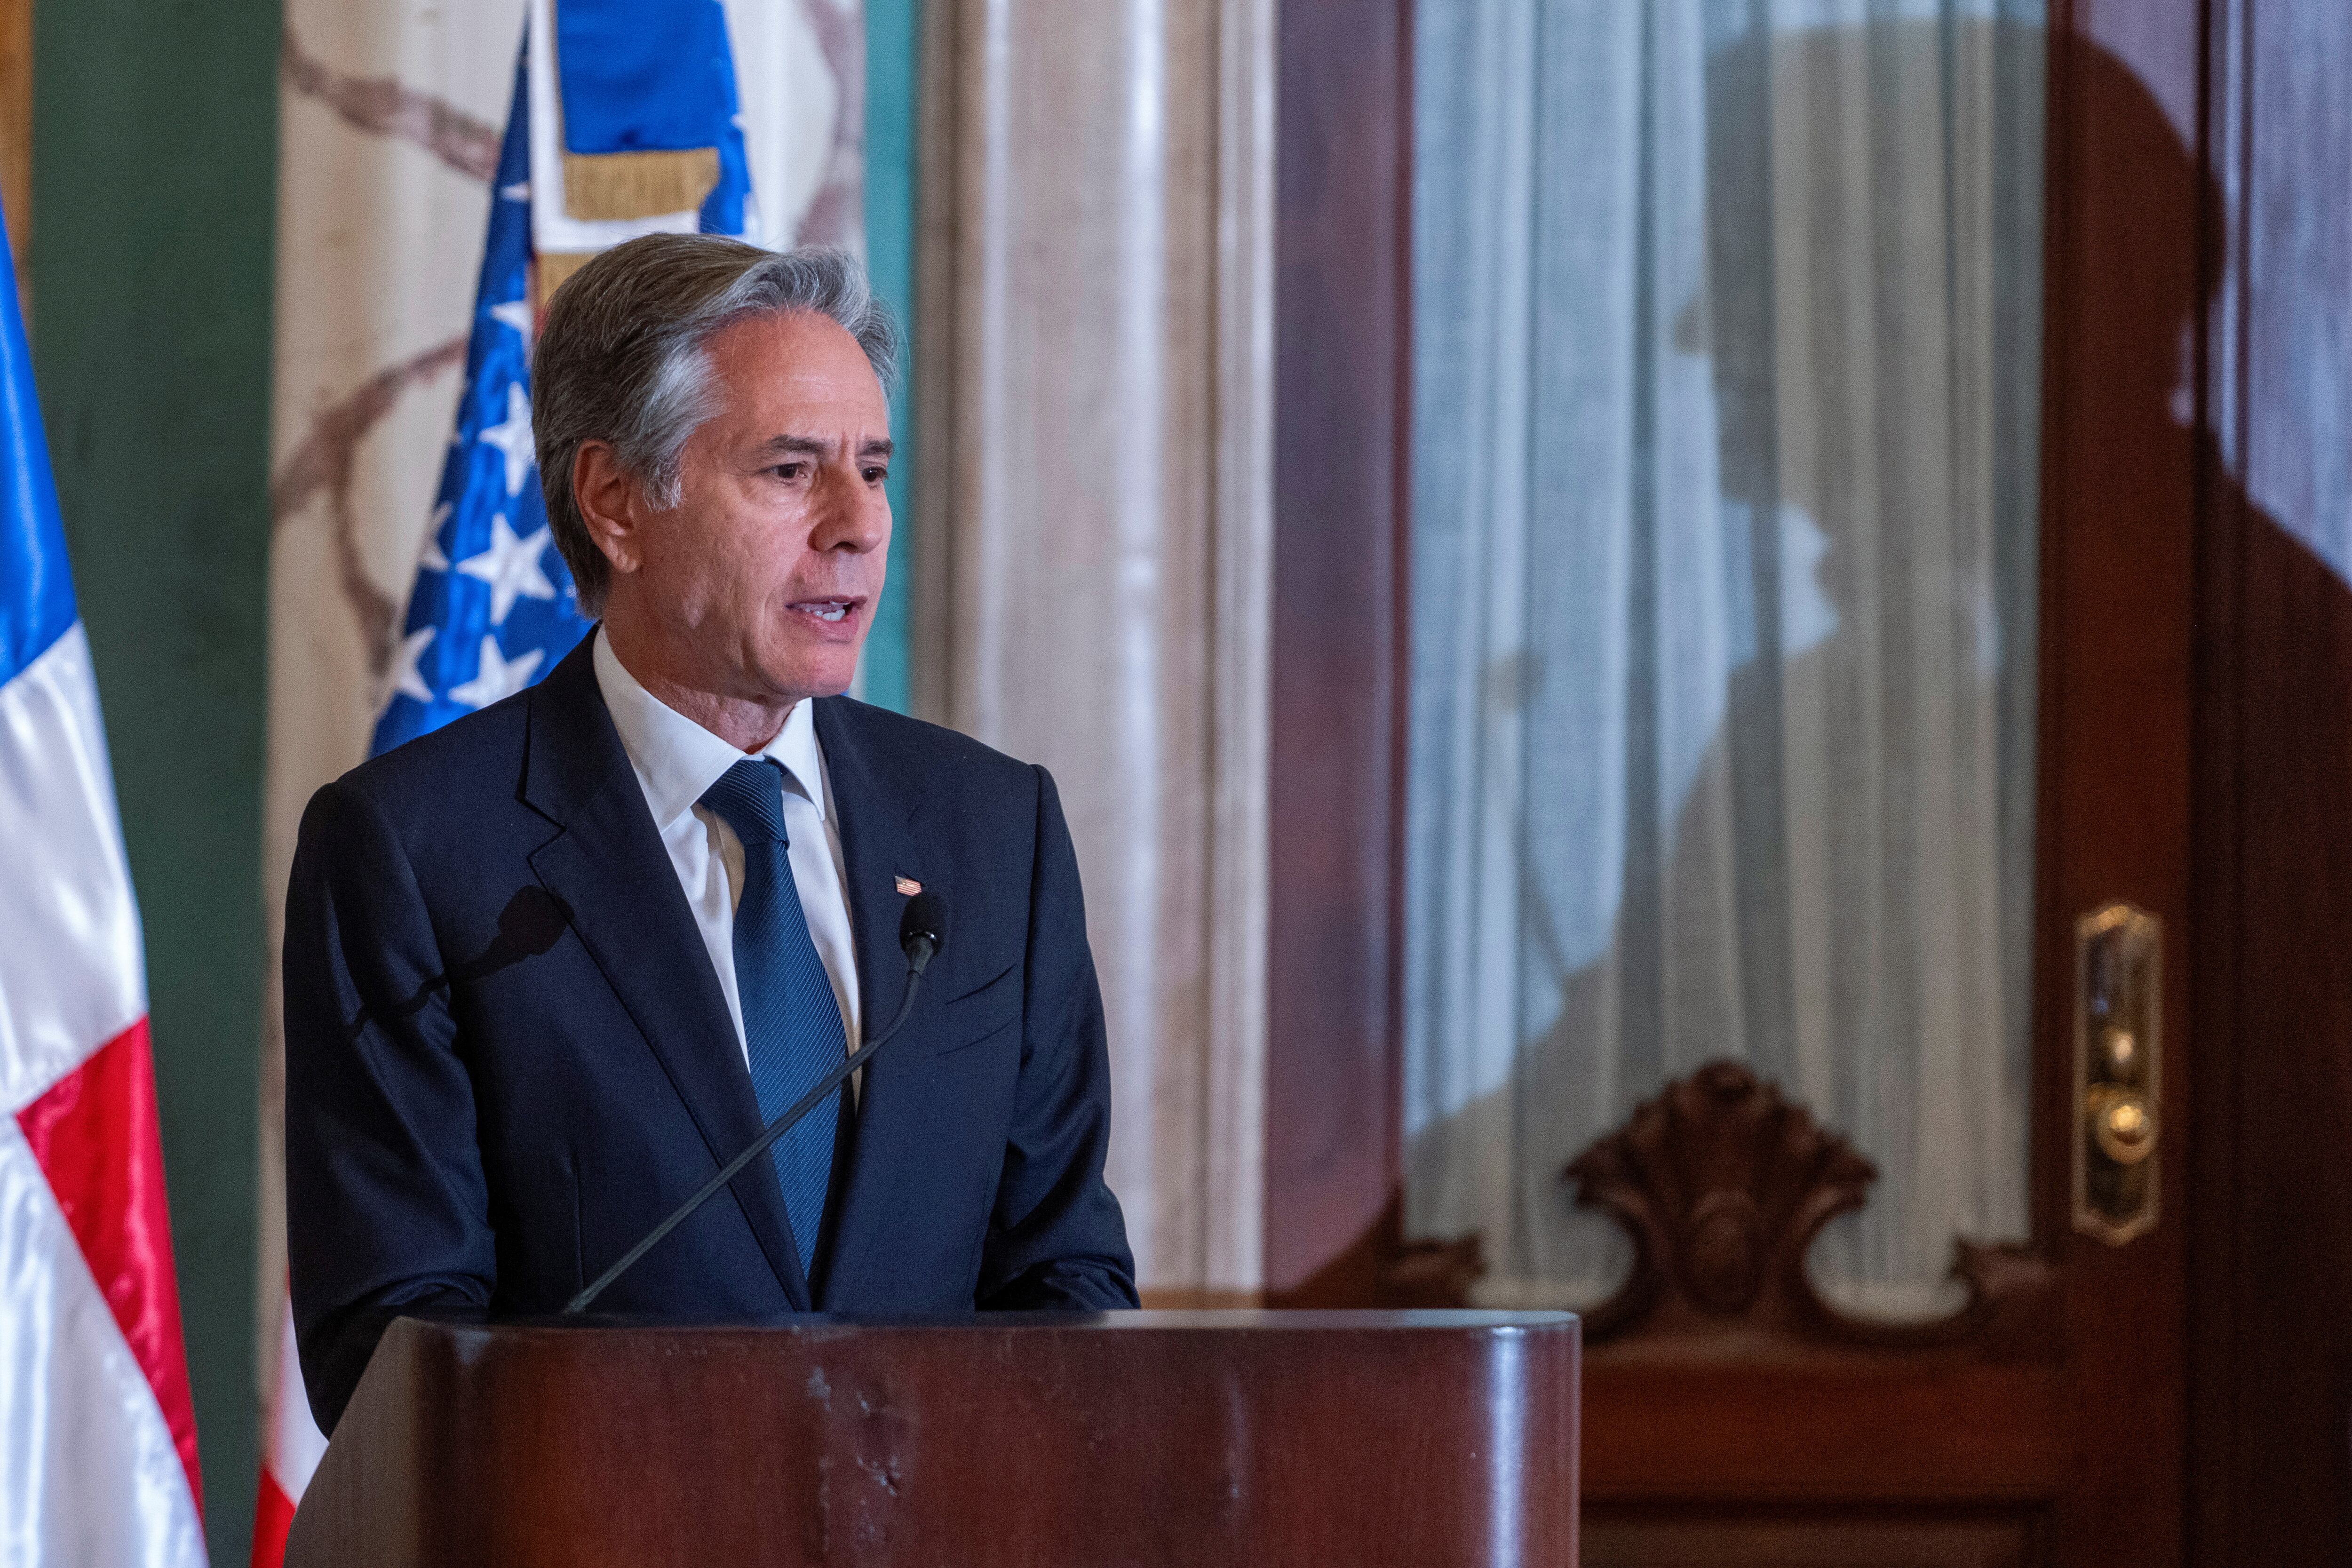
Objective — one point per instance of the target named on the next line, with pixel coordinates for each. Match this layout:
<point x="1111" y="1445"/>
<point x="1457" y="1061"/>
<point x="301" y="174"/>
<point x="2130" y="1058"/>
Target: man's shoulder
<point x="915" y="750"/>
<point x="476" y="755"/>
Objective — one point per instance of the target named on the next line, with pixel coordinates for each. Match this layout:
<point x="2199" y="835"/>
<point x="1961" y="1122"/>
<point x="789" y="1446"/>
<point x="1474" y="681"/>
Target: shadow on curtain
<point x="1727" y="379"/>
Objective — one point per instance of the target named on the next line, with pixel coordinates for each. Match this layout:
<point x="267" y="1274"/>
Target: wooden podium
<point x="1426" y="1439"/>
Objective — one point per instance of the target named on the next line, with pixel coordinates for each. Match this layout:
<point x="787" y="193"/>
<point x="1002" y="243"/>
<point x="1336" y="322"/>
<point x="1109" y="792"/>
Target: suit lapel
<point x="876" y="849"/>
<point x="615" y="878"/>
<point x="876" y="813"/>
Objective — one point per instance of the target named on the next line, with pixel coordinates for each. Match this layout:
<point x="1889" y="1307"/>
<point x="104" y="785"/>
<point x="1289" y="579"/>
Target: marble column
<point x="1093" y="540"/>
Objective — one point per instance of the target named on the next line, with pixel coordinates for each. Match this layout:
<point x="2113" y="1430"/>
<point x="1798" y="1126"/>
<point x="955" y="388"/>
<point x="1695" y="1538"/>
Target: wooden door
<point x="1731" y="1415"/>
<point x="2271" y="1218"/>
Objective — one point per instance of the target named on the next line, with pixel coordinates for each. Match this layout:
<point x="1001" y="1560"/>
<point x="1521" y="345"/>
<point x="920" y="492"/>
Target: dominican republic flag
<point x="98" y="1439"/>
<point x="493" y="607"/>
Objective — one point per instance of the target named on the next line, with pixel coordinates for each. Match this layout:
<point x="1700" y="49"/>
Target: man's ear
<point x="609" y="502"/>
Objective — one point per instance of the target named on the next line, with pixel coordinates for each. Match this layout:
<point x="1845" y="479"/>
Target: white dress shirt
<point x="676" y="760"/>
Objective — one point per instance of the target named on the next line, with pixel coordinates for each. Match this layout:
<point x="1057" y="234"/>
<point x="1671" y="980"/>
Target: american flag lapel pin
<point x="909" y="886"/>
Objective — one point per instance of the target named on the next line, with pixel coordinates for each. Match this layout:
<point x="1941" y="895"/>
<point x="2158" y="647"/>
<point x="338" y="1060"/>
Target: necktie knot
<point x="750" y="797"/>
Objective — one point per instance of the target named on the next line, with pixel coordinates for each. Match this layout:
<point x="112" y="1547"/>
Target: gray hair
<point x="621" y="359"/>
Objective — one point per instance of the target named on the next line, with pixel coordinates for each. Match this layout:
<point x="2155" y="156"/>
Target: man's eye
<point x="876" y="476"/>
<point x="790" y="470"/>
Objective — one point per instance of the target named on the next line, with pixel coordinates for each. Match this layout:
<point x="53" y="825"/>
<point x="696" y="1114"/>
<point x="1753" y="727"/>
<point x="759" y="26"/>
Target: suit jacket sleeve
<point x="1056" y="1237"/>
<point x="385" y="1199"/>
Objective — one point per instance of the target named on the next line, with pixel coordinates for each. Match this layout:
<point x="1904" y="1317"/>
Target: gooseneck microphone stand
<point x="922" y="931"/>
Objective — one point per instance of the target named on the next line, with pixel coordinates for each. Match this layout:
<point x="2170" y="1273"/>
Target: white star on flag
<point x="515" y="313"/>
<point x="513" y="437"/>
<point x="409" y="681"/>
<point x="499" y="677"/>
<point x="511" y="566"/>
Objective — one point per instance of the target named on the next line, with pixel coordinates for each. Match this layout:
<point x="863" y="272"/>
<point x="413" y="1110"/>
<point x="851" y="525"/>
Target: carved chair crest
<point x="1723" y="1184"/>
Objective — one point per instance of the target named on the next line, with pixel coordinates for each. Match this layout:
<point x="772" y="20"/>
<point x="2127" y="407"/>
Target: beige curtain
<point x="1726" y="377"/>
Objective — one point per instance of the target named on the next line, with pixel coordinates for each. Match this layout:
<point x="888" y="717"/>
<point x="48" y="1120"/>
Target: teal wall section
<point x="154" y="192"/>
<point x="893" y="31"/>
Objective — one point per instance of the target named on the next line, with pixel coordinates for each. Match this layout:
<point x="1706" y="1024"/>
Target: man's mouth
<point x="828" y="610"/>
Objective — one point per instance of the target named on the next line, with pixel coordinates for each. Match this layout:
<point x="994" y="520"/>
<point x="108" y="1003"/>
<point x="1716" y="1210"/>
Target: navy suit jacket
<point x="507" y="1055"/>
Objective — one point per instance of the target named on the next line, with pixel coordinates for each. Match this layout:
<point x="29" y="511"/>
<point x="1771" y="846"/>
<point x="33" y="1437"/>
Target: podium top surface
<point x="1144" y="1439"/>
<point x="1236" y="1320"/>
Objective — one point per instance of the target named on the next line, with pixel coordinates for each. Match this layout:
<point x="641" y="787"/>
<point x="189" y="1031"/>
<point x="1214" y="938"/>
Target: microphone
<point x="922" y="931"/>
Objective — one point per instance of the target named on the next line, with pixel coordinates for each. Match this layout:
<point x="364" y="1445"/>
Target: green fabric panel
<point x="893" y="30"/>
<point x="153" y="195"/>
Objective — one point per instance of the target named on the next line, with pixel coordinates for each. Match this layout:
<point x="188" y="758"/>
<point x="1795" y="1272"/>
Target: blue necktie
<point x="792" y="1022"/>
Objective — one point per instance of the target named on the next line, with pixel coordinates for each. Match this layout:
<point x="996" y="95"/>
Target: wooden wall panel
<point x="1335" y="786"/>
<point x="1797" y="1540"/>
<point x="2121" y="280"/>
<point x="2272" y="1294"/>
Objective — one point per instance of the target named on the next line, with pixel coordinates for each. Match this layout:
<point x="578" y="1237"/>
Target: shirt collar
<point x="676" y="759"/>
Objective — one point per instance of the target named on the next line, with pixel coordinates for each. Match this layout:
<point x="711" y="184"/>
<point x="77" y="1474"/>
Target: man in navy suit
<point x="548" y="967"/>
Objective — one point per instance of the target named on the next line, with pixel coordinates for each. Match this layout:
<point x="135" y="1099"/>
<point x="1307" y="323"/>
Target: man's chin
<point x="823" y="671"/>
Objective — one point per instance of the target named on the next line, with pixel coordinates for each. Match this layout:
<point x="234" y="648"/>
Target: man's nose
<point x="851" y="514"/>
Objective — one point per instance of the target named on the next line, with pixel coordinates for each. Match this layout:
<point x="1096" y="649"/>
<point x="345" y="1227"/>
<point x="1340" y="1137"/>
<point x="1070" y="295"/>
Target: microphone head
<point x="923" y="930"/>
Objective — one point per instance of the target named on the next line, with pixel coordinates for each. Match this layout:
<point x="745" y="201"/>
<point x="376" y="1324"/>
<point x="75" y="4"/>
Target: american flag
<point x="493" y="608"/>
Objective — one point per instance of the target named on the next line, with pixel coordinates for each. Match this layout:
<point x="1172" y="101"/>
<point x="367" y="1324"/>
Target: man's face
<point x="769" y="566"/>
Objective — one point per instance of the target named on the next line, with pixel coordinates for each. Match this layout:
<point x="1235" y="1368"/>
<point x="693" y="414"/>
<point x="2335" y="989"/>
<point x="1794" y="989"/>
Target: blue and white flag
<point x="637" y="127"/>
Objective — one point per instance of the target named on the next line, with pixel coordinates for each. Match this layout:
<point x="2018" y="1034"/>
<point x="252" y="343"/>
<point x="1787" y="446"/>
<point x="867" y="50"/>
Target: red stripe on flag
<point x="273" y="1516"/>
<point x="95" y="1134"/>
